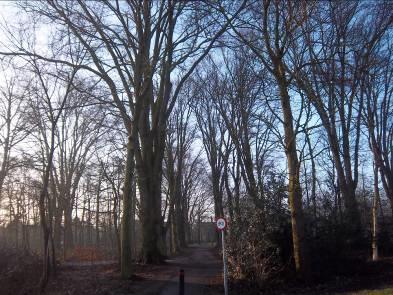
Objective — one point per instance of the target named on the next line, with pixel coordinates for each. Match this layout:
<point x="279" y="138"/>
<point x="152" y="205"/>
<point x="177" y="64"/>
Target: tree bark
<point x="126" y="247"/>
<point x="294" y="189"/>
<point x="151" y="221"/>
<point x="374" y="243"/>
<point x="68" y="236"/>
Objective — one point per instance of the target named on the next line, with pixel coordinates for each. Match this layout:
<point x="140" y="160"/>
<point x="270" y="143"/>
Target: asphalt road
<point x="202" y="272"/>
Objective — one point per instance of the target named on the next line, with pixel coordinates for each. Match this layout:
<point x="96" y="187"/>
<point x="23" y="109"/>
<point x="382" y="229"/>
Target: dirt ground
<point x="19" y="271"/>
<point x="203" y="276"/>
<point x="201" y="266"/>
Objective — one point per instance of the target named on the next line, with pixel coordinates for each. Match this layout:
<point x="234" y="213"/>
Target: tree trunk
<point x="149" y="171"/>
<point x="116" y="228"/>
<point x="98" y="213"/>
<point x="374" y="243"/>
<point x="82" y="228"/>
<point x="174" y="239"/>
<point x="126" y="247"/>
<point x="151" y="220"/>
<point x="180" y="221"/>
<point x="57" y="227"/>
<point x="44" y="208"/>
<point x="68" y="236"/>
<point x="89" y="224"/>
<point x="347" y="190"/>
<point x="294" y="190"/>
<point x="199" y="229"/>
<point x="313" y="176"/>
<point x="218" y="209"/>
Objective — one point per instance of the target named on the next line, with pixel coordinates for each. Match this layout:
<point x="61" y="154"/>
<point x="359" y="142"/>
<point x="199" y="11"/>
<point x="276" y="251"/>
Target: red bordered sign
<point x="221" y="223"/>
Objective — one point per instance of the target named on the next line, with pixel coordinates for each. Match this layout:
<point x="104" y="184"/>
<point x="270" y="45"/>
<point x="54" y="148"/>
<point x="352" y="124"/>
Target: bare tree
<point x="214" y="135"/>
<point x="374" y="220"/>
<point x="377" y="116"/>
<point x="48" y="95"/>
<point x="180" y="137"/>
<point x="12" y="122"/>
<point x="331" y="78"/>
<point x="144" y="41"/>
<point x="269" y="27"/>
<point x="79" y="129"/>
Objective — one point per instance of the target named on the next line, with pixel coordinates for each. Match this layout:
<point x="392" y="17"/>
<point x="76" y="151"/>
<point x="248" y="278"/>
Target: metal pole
<point x="225" y="264"/>
<point x="181" y="282"/>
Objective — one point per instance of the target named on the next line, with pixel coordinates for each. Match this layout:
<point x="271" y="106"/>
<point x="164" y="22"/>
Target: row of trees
<point x="64" y="168"/>
<point x="155" y="99"/>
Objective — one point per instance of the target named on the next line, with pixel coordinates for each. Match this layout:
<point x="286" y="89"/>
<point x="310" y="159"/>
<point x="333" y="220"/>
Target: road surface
<point x="202" y="274"/>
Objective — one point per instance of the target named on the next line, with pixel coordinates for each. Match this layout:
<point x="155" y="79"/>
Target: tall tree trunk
<point x="294" y="189"/>
<point x="89" y="224"/>
<point x="180" y="220"/>
<point x="313" y="176"/>
<point x="374" y="243"/>
<point x="116" y="227"/>
<point x="217" y="195"/>
<point x="151" y="220"/>
<point x="149" y="171"/>
<point x="57" y="227"/>
<point x="68" y="236"/>
<point x="174" y="240"/>
<point x="98" y="211"/>
<point x="126" y="247"/>
<point x="82" y="228"/>
<point x="44" y="207"/>
<point x="133" y="215"/>
<point x="97" y="221"/>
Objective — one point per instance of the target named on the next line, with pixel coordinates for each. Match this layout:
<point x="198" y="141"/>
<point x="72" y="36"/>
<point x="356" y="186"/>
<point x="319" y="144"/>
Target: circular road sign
<point x="221" y="223"/>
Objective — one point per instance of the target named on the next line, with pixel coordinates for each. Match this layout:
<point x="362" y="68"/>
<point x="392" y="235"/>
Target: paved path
<point x="202" y="274"/>
<point x="202" y="271"/>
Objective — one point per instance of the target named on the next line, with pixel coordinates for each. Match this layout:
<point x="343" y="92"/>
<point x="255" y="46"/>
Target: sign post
<point x="221" y="225"/>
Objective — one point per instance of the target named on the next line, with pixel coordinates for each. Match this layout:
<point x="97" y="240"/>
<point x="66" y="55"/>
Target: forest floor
<point x="201" y="265"/>
<point x="20" y="272"/>
<point x="203" y="276"/>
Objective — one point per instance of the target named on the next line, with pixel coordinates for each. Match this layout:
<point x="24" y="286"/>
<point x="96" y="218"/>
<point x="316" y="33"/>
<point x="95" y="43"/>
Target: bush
<point x="258" y="247"/>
